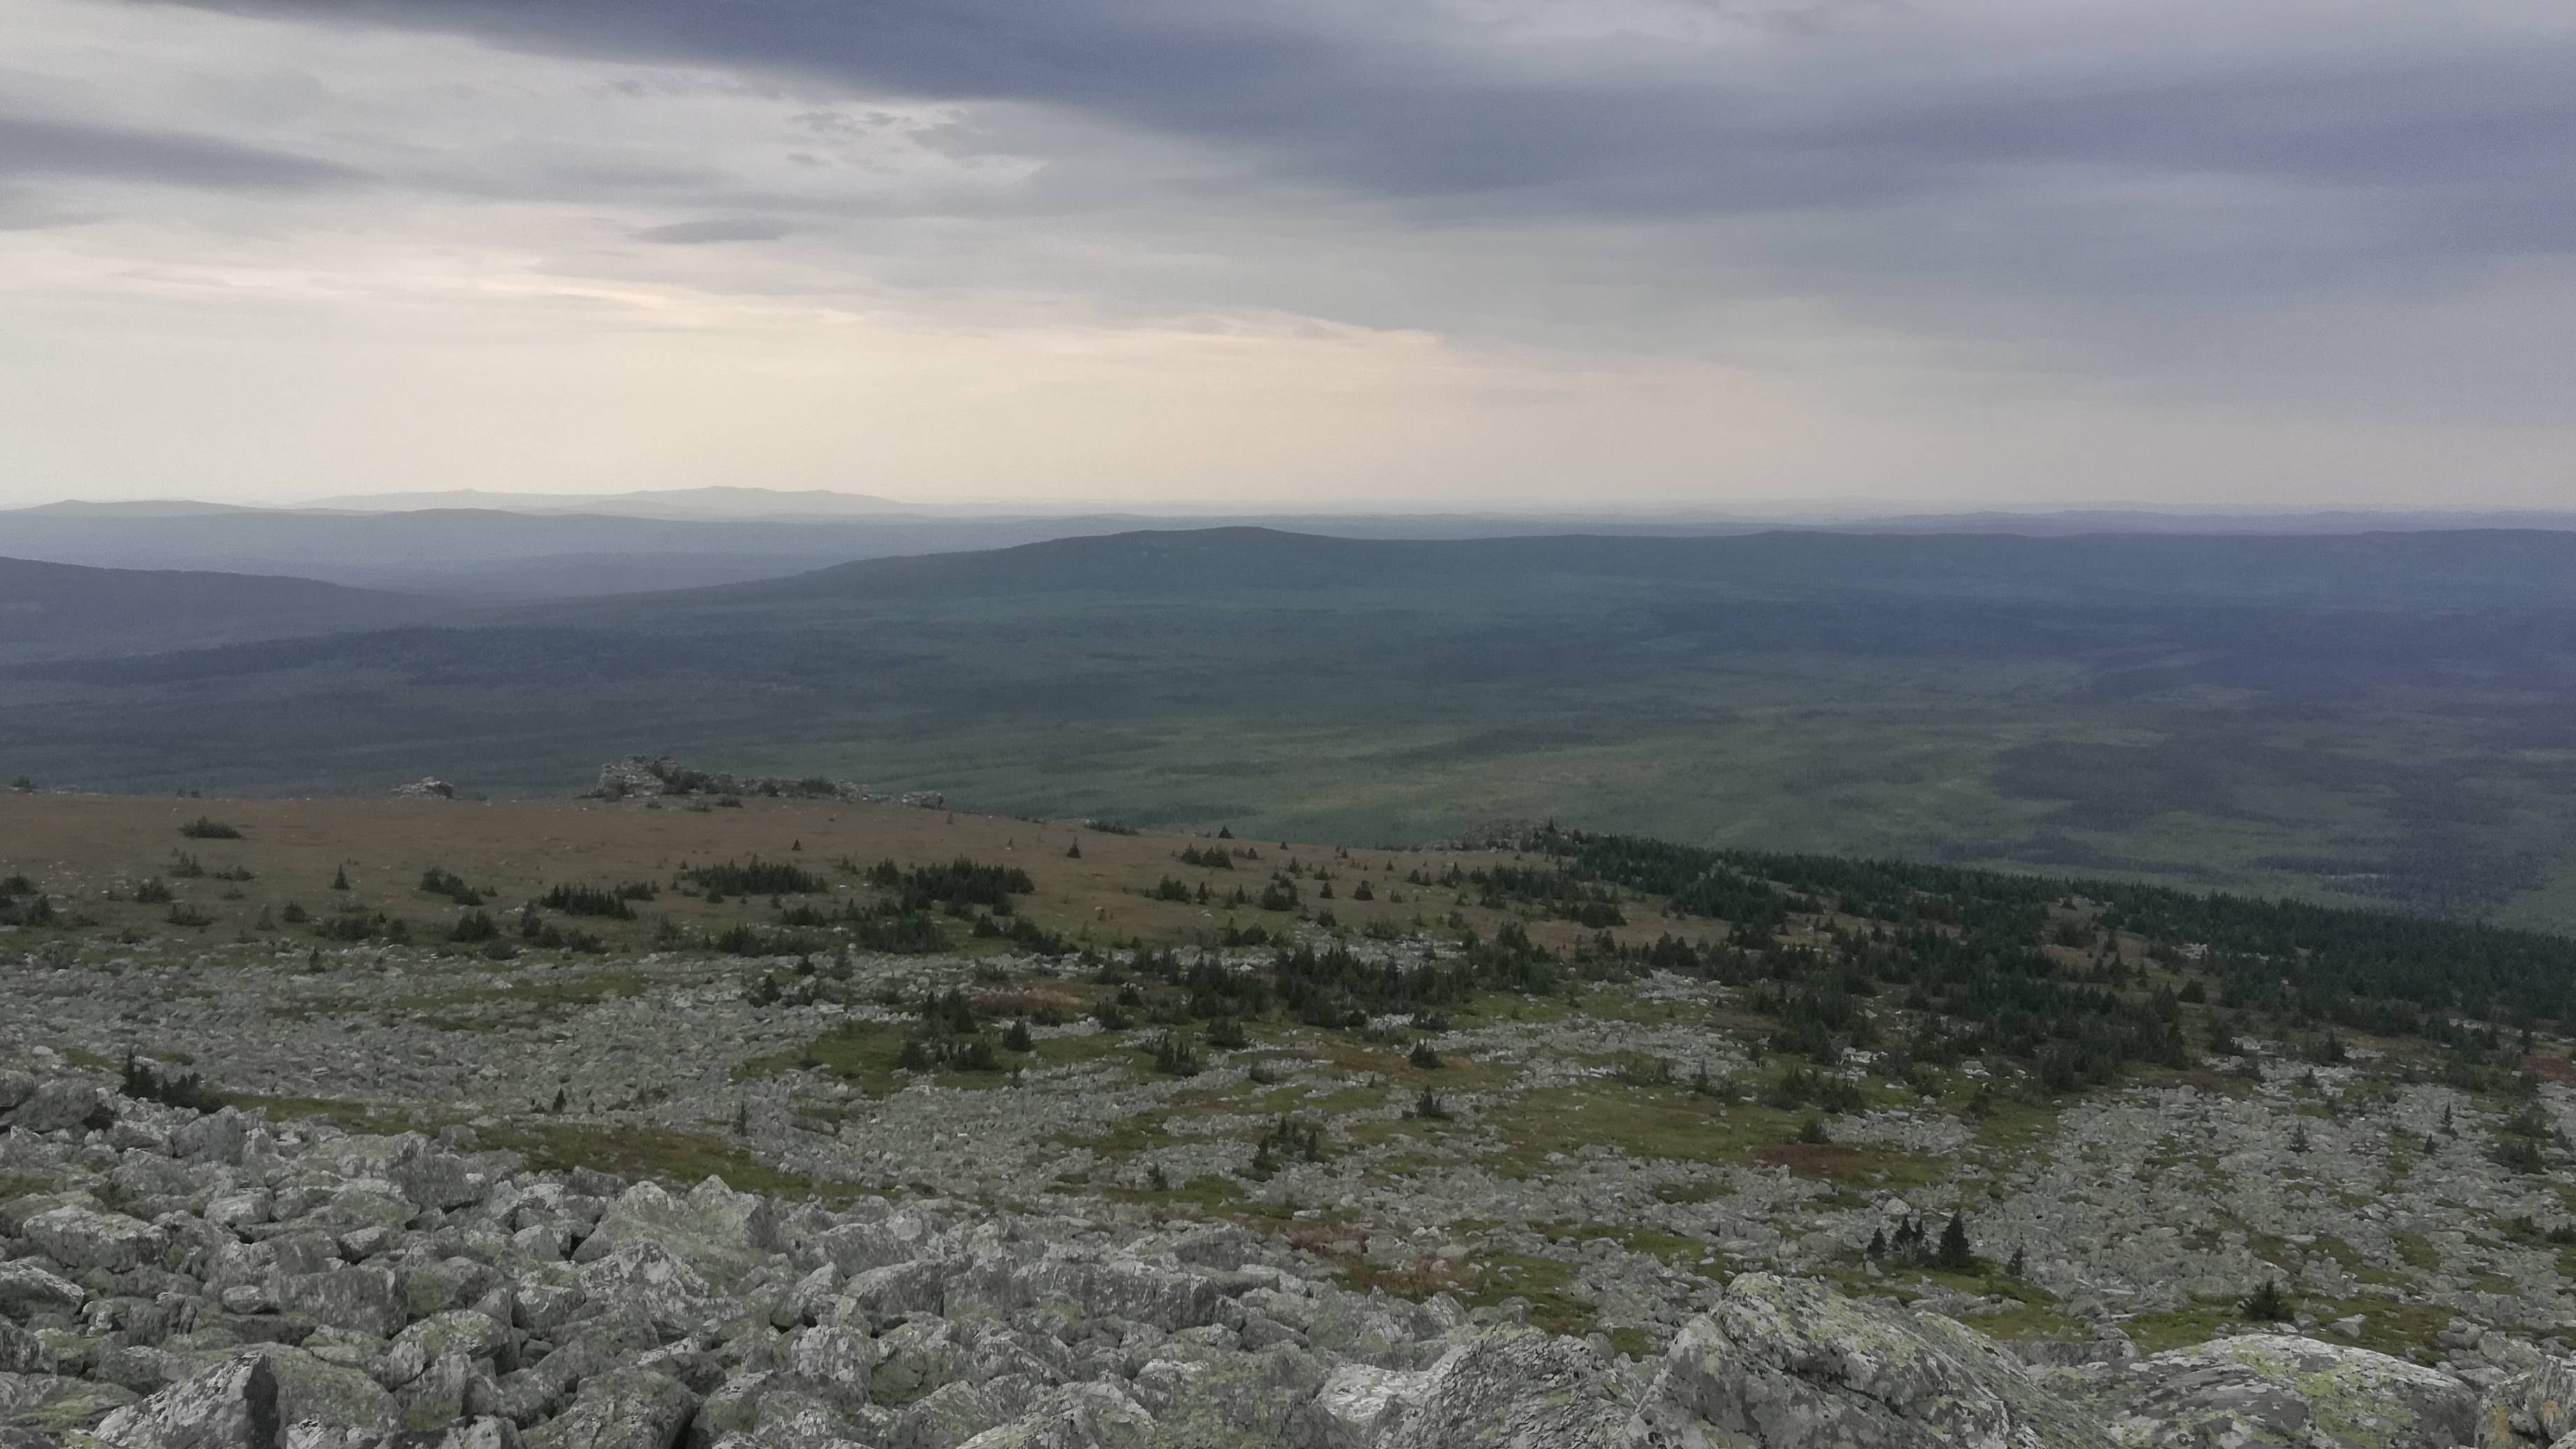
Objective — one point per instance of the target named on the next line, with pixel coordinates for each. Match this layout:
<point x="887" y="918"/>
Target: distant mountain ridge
<point x="711" y="502"/>
<point x="523" y="546"/>
<point x="50" y="611"/>
<point x="2449" y="569"/>
<point x="130" y="508"/>
<point x="738" y="502"/>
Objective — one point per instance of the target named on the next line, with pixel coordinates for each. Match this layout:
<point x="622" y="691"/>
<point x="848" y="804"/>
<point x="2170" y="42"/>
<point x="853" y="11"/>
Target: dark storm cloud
<point x="1385" y="103"/>
<point x="714" y="229"/>
<point x="31" y="147"/>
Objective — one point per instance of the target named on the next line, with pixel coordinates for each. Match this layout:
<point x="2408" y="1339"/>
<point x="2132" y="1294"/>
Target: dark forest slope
<point x="51" y="611"/>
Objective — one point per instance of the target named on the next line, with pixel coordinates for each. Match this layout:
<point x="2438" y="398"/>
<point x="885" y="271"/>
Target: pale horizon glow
<point x="1442" y="255"/>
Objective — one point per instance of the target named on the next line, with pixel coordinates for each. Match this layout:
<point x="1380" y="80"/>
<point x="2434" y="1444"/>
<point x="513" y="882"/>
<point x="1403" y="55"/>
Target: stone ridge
<point x="176" y="1280"/>
<point x="649" y="777"/>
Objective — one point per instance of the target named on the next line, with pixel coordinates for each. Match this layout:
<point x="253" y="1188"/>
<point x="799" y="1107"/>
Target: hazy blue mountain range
<point x="470" y="544"/>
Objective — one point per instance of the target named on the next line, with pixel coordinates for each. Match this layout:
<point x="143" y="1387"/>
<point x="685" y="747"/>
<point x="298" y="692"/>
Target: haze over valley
<point x="2373" y="716"/>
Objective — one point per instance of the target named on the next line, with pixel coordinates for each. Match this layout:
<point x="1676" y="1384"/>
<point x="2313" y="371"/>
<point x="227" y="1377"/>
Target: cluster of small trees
<point x="755" y="877"/>
<point x="440" y="882"/>
<point x="1565" y="894"/>
<point x="2521" y="1137"/>
<point x="1175" y="1055"/>
<point x="355" y="927"/>
<point x="1287" y="1139"/>
<point x="950" y="1037"/>
<point x="1807" y="1087"/>
<point x="21" y="904"/>
<point x="607" y="902"/>
<point x="1912" y="1246"/>
<point x="180" y="1089"/>
<point x="960" y="882"/>
<point x="535" y="930"/>
<point x="958" y="1054"/>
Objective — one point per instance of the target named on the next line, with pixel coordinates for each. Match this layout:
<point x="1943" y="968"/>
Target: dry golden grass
<point x="88" y="851"/>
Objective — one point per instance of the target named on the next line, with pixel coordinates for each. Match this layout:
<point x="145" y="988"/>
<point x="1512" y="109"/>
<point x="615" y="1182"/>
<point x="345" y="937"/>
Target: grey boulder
<point x="2271" y="1389"/>
<point x="230" y="1406"/>
<point x="621" y="1409"/>
<point x="59" y="1105"/>
<point x="82" y="1237"/>
<point x="1781" y="1363"/>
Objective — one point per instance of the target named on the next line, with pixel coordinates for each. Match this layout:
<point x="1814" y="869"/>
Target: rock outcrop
<point x="2274" y="1389"/>
<point x="649" y="777"/>
<point x="1789" y="1362"/>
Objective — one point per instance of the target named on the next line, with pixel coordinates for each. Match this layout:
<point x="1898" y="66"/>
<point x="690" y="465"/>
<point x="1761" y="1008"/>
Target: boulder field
<point x="180" y="1280"/>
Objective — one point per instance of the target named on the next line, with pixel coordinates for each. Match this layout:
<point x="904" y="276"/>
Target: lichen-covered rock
<point x="22" y="1352"/>
<point x="230" y="1406"/>
<point x="646" y="1278"/>
<point x="146" y="1175"/>
<point x="439" y="1394"/>
<point x="27" y="1291"/>
<point x="364" y="1205"/>
<point x="57" y="1405"/>
<point x="1354" y="1406"/>
<point x="855" y="1248"/>
<point x="835" y="1362"/>
<point x="947" y="1417"/>
<point x="459" y="1331"/>
<point x="484" y="1433"/>
<point x="898" y="1289"/>
<point x="621" y="1409"/>
<point x="1227" y="1394"/>
<point x="1786" y="1364"/>
<point x="60" y="1105"/>
<point x="1128" y="1289"/>
<point x="438" y="1180"/>
<point x="1518" y="1389"/>
<point x="2276" y="1389"/>
<point x="333" y="1397"/>
<point x="252" y="1399"/>
<point x="82" y="1237"/>
<point x="431" y="1286"/>
<point x="1078" y="1416"/>
<point x="214" y="1137"/>
<point x="358" y="1299"/>
<point x="721" y="1234"/>
<point x="2535" y="1407"/>
<point x="914" y="1359"/>
<point x="1374" y="1330"/>
<point x="732" y="1409"/>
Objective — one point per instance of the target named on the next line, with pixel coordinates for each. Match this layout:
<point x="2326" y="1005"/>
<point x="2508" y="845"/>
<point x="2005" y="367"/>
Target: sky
<point x="1347" y="253"/>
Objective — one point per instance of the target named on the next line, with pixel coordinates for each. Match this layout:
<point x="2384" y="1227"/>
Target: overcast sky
<point x="1445" y="252"/>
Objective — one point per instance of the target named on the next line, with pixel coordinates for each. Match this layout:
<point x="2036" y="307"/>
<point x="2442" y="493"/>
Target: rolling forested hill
<point x="52" y="610"/>
<point x="2373" y="717"/>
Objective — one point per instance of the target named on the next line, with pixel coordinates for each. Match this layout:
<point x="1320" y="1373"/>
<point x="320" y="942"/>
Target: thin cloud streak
<point x="34" y="147"/>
